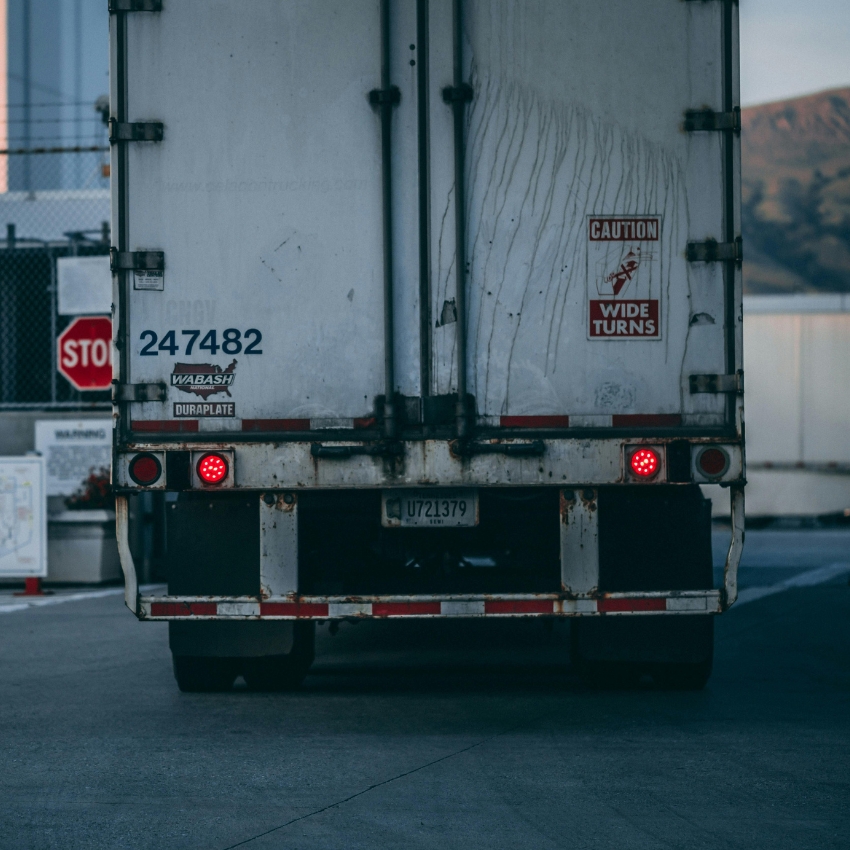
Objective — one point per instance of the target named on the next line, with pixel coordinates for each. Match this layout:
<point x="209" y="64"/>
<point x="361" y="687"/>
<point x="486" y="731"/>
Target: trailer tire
<point x="273" y="673"/>
<point x="609" y="675"/>
<point x="683" y="677"/>
<point x="677" y="651"/>
<point x="201" y="674"/>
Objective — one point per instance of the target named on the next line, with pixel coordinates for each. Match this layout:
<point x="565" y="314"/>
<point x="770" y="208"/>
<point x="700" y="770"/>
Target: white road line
<point x="22" y="604"/>
<point x="810" y="578"/>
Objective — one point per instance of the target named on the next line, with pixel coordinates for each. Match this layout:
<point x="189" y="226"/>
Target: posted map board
<point x="72" y="449"/>
<point x="23" y="518"/>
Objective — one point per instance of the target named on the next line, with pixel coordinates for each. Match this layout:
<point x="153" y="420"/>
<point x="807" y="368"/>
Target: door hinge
<point x="136" y="261"/>
<point x="704" y="120"/>
<point x="712" y="251"/>
<point x="458" y="94"/>
<point x="138" y="392"/>
<point x="135" y="6"/>
<point x="135" y="131"/>
<point x="715" y="384"/>
<point x="385" y="97"/>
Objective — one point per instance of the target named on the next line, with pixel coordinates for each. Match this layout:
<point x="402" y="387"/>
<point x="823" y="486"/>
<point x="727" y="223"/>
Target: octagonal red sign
<point x="85" y="353"/>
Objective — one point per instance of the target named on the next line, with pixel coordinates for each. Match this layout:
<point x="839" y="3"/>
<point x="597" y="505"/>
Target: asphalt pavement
<point x="437" y="734"/>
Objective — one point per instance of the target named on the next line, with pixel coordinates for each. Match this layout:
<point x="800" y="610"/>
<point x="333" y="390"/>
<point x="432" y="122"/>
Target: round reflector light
<point x="713" y="462"/>
<point x="145" y="469"/>
<point x="645" y="463"/>
<point x="212" y="469"/>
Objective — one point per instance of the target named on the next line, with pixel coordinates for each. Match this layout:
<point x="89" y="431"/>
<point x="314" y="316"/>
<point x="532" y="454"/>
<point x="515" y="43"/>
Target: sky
<point x="793" y="47"/>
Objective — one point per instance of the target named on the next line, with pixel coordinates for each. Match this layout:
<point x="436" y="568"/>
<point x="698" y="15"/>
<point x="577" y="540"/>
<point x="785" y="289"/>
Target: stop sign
<point x="85" y="353"/>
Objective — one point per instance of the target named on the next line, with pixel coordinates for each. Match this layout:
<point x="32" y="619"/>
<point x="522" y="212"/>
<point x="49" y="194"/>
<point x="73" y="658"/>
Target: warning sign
<point x="624" y="277"/>
<point x="624" y="318"/>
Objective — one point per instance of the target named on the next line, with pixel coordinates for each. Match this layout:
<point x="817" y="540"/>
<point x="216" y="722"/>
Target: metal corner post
<point x="729" y="230"/>
<point x="120" y="236"/>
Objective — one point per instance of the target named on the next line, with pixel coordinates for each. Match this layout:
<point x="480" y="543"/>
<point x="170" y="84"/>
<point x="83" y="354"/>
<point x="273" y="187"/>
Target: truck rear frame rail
<point x="409" y="607"/>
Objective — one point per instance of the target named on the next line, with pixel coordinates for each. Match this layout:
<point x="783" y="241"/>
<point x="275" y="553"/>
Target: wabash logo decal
<point x="203" y="379"/>
<point x="204" y="409"/>
<point x="624" y="277"/>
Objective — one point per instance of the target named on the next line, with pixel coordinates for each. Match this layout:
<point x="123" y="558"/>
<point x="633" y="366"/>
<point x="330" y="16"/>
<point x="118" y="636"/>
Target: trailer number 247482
<point x="231" y="342"/>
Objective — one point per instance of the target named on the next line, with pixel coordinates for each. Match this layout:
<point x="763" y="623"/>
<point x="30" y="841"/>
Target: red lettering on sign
<point x="617" y="319"/>
<point x="625" y="229"/>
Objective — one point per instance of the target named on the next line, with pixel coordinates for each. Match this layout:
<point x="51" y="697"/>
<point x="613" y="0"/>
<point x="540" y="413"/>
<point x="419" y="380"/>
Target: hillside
<point x="796" y="182"/>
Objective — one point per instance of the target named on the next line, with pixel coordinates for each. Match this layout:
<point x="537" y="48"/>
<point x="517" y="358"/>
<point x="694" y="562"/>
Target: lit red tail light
<point x="645" y="462"/>
<point x="145" y="469"/>
<point x="213" y="468"/>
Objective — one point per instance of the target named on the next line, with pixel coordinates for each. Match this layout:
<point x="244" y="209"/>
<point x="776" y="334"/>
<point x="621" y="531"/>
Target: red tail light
<point x="713" y="462"/>
<point x="645" y="463"/>
<point x="212" y="468"/>
<point x="145" y="469"/>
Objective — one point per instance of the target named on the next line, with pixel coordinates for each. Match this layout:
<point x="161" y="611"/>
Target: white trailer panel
<point x="265" y="196"/>
<point x="576" y="118"/>
<point x="583" y="192"/>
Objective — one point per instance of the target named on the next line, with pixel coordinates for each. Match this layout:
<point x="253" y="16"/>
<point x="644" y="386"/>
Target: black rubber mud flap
<point x="213" y="544"/>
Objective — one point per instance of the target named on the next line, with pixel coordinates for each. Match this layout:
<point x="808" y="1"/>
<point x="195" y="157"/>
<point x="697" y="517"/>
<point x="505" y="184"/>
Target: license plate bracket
<point x="429" y="508"/>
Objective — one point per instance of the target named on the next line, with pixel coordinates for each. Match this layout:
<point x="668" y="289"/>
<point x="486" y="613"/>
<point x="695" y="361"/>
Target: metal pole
<point x="78" y="89"/>
<point x="53" y="308"/>
<point x="27" y="94"/>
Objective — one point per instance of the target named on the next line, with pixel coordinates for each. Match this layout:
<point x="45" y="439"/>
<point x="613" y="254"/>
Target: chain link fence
<point x="43" y="223"/>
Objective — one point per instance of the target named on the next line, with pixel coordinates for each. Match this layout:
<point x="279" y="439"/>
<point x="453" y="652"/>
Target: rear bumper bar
<point x="412" y="607"/>
<point x="296" y="607"/>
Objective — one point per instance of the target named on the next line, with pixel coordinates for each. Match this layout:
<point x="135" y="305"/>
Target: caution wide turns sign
<point x="624" y="277"/>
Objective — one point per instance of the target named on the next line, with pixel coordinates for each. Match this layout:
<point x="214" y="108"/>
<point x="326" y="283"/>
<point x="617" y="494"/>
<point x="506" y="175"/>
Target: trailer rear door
<point x="265" y="196"/>
<point x="583" y="190"/>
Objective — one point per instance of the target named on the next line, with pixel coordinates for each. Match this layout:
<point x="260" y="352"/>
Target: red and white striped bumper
<point x="407" y="607"/>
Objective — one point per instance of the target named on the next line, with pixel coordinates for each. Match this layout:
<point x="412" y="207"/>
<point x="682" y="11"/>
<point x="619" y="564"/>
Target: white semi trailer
<point x="428" y="308"/>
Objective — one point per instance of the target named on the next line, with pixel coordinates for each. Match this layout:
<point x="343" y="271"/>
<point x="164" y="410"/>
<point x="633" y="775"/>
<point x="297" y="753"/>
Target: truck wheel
<point x="614" y="652"/>
<point x="196" y="674"/>
<point x="683" y="677"/>
<point x="598" y="673"/>
<point x="283" y="672"/>
<point x="609" y="675"/>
